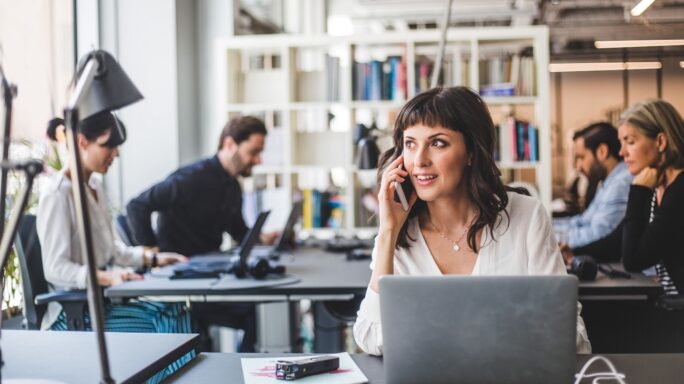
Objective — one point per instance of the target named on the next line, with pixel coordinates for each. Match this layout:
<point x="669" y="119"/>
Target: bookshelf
<point x="313" y="90"/>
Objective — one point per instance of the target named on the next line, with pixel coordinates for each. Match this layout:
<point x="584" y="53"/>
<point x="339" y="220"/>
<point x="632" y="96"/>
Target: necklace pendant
<point x="456" y="248"/>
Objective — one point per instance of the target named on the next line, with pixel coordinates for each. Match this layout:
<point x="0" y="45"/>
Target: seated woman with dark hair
<point x="461" y="220"/>
<point x="64" y="264"/>
<point x="652" y="137"/>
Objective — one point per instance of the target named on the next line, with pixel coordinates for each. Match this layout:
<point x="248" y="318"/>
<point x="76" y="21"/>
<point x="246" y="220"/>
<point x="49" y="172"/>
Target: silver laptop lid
<point x="479" y="329"/>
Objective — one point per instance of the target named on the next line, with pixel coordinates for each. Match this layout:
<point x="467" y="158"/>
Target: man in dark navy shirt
<point x="196" y="204"/>
<point x="200" y="201"/>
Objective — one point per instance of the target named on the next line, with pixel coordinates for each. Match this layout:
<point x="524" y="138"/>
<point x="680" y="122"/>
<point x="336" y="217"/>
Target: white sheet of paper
<point x="261" y="370"/>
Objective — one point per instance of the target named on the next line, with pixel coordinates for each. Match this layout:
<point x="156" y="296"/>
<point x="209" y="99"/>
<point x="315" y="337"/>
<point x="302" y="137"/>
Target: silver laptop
<point x="479" y="329"/>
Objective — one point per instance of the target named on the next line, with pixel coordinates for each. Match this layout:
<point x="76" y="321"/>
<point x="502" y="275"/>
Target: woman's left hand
<point x="268" y="238"/>
<point x="567" y="253"/>
<point x="648" y="177"/>
<point x="168" y="258"/>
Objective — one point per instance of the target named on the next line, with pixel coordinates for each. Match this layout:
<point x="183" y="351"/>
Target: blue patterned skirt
<point x="143" y="316"/>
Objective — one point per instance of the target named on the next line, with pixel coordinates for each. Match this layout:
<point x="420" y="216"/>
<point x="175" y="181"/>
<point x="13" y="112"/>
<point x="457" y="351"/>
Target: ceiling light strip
<point x="602" y="44"/>
<point x="603" y="66"/>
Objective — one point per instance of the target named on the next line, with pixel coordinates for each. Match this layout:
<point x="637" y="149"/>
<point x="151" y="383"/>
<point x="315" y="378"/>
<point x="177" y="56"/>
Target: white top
<point x="526" y="246"/>
<point x="63" y="262"/>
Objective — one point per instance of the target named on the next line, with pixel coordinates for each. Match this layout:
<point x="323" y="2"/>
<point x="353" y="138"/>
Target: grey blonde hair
<point x="654" y="116"/>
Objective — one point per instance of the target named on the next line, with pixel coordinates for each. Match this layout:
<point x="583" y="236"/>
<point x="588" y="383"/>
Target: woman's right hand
<point x="115" y="277"/>
<point x="391" y="214"/>
<point x="648" y="177"/>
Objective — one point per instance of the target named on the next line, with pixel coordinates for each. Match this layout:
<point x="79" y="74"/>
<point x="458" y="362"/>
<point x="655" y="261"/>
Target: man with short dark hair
<point x="196" y="205"/>
<point x="597" y="156"/>
<point x="200" y="201"/>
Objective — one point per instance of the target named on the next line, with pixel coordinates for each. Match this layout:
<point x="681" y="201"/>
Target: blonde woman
<point x="652" y="138"/>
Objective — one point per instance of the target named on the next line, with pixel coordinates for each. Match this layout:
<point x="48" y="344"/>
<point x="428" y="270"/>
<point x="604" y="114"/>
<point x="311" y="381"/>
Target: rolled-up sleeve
<point x="53" y="224"/>
<point x="368" y="329"/>
<point x="128" y="256"/>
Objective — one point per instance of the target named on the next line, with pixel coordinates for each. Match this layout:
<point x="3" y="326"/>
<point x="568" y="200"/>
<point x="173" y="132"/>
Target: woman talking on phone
<point x="461" y="219"/>
<point x="652" y="137"/>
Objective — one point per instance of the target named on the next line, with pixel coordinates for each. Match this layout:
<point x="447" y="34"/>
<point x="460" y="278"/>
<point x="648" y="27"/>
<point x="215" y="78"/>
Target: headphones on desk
<point x="584" y="267"/>
<point x="257" y="267"/>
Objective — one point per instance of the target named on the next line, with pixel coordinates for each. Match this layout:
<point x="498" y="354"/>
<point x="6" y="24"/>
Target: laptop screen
<point x="252" y="237"/>
<point x="288" y="231"/>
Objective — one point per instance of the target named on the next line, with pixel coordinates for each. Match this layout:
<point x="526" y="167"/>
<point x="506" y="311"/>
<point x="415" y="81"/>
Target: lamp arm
<point x="32" y="169"/>
<point x="83" y="83"/>
<point x="95" y="300"/>
<point x="442" y="44"/>
<point x="9" y="91"/>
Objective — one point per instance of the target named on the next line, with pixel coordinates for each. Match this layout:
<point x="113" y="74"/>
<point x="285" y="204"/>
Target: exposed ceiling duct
<point x="574" y="24"/>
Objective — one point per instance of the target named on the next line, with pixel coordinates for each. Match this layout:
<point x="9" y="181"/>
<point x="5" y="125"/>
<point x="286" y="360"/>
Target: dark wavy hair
<point x="462" y="110"/>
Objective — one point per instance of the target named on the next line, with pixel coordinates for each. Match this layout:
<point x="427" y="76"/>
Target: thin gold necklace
<point x="454" y="244"/>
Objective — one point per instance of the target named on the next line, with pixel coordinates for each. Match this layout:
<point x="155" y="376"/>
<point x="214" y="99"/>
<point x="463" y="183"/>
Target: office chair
<point x="36" y="291"/>
<point x="123" y="230"/>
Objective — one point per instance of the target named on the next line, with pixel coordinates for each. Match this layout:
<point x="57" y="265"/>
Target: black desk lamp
<point x="100" y="85"/>
<point x="368" y="152"/>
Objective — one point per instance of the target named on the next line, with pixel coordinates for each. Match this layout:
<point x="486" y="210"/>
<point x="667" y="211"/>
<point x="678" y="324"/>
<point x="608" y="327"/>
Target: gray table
<point x="324" y="276"/>
<point x="226" y="368"/>
<point x="638" y="287"/>
<point x="323" y="273"/>
<point x="72" y="357"/>
<point x="320" y="273"/>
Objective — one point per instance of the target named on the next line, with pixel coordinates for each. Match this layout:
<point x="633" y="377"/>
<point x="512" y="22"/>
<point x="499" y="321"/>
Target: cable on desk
<point x="600" y="376"/>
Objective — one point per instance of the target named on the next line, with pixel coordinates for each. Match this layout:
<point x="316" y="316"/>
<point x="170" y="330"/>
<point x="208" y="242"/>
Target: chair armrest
<point x="61" y="296"/>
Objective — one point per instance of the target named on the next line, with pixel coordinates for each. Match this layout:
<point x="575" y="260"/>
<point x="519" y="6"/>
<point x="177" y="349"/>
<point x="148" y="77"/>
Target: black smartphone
<point x="403" y="192"/>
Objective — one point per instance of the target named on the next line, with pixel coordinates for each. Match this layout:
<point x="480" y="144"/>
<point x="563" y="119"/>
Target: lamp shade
<point x="111" y="88"/>
<point x="368" y="153"/>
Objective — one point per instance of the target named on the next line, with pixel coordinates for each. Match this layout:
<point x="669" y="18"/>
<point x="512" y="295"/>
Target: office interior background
<point x="297" y="64"/>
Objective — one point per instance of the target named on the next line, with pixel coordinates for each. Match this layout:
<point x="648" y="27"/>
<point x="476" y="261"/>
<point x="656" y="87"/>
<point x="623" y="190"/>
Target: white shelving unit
<point x="284" y="77"/>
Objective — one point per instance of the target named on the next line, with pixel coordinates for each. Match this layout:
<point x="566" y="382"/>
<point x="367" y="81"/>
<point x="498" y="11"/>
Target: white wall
<point x="141" y="35"/>
<point x="36" y="52"/>
<point x="186" y="50"/>
<point x="154" y="41"/>
<point x="214" y="19"/>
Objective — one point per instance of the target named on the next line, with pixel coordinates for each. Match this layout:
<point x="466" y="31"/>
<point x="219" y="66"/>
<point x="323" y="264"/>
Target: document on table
<point x="259" y="370"/>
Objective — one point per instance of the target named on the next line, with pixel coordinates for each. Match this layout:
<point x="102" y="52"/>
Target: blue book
<point x="316" y="207"/>
<point x="520" y="137"/>
<point x="532" y="132"/>
<point x="375" y="80"/>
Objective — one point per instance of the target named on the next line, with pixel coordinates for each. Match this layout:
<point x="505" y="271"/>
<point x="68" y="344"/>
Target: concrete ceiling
<point x="574" y="24"/>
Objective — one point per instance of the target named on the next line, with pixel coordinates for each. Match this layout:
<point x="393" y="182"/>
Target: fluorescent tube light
<point x="641" y="7"/>
<point x="602" y="66"/>
<point x="637" y="43"/>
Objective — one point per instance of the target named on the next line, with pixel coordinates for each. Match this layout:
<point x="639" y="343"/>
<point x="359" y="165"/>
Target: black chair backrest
<point x="33" y="280"/>
<point x="124" y="230"/>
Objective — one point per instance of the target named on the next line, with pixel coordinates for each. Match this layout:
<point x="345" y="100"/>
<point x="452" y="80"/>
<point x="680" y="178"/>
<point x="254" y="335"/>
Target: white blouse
<point x="63" y="262"/>
<point x="525" y="245"/>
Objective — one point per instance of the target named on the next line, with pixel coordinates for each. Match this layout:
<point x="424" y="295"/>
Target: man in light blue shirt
<point x="597" y="156"/>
